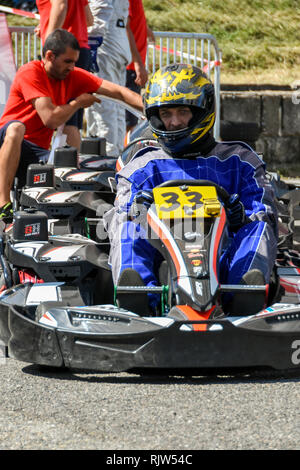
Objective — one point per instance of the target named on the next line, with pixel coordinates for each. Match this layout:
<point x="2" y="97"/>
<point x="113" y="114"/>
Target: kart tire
<point x="2" y="282"/>
<point x="6" y="272"/>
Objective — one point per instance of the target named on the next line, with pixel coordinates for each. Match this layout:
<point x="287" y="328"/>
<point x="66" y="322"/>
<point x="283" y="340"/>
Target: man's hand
<point x="53" y="116"/>
<point x="37" y="31"/>
<point x="86" y="100"/>
<point x="141" y="74"/>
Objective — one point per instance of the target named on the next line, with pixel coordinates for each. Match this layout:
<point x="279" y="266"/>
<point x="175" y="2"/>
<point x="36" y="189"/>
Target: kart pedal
<point x="137" y="303"/>
<point x="243" y="304"/>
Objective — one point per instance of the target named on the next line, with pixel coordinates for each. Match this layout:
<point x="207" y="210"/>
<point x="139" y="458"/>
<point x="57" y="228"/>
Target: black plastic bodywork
<point x="103" y="339"/>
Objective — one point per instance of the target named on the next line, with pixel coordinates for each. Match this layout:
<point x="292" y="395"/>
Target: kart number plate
<point x="186" y="201"/>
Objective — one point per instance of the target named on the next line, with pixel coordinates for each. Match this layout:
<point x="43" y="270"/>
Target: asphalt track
<point x="64" y="410"/>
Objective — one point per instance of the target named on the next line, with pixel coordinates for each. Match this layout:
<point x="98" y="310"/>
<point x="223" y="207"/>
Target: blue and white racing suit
<point x="232" y="165"/>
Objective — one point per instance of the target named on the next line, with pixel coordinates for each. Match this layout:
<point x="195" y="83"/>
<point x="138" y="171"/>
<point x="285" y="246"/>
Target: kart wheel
<point x="6" y="272"/>
<point x="2" y="283"/>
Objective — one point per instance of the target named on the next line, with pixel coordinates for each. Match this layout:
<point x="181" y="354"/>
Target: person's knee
<point x="15" y="131"/>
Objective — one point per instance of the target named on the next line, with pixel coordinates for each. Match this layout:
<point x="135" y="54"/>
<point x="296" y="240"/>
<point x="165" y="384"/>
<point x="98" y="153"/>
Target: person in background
<point x="74" y="16"/>
<point x="43" y="96"/>
<point x="136" y="73"/>
<point x="117" y="50"/>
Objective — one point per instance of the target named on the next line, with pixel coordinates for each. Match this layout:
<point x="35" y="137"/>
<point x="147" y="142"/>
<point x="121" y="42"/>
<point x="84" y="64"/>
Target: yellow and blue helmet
<point x="180" y="85"/>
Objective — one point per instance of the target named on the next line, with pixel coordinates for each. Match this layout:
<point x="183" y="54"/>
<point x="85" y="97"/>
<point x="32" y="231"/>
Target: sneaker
<point x="134" y="302"/>
<point x="243" y="304"/>
<point x="6" y="212"/>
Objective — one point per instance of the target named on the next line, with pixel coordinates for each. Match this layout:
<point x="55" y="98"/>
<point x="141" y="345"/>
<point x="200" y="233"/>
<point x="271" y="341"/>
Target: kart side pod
<point x="66" y="157"/>
<point x="30" y="225"/>
<point x="39" y="175"/>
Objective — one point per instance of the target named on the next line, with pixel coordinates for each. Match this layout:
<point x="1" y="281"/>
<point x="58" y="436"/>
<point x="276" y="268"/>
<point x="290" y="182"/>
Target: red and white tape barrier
<point x="209" y="65"/>
<point x="15" y="11"/>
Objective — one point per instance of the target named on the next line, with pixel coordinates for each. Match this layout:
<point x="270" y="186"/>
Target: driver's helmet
<point x="176" y="85"/>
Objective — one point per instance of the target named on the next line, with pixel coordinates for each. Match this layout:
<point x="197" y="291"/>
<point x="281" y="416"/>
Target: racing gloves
<point x="143" y="198"/>
<point x="94" y="42"/>
<point x="235" y="212"/>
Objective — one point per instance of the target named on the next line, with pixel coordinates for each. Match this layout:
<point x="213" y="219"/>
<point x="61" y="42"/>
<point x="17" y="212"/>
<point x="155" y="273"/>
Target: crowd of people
<point x="112" y="35"/>
<point x="106" y="40"/>
<point x="57" y="90"/>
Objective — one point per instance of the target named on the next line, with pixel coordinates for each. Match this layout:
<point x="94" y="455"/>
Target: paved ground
<point x="64" y="410"/>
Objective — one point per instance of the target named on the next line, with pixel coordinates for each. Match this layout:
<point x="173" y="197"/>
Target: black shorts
<point x="30" y="153"/>
<point x="83" y="63"/>
<point x="131" y="119"/>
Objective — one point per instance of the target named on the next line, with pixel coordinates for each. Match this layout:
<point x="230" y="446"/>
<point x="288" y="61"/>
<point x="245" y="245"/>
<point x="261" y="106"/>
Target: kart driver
<point x="180" y="107"/>
<point x="43" y="96"/>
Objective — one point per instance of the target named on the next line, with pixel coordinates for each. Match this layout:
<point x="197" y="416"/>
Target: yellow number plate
<point x="192" y="201"/>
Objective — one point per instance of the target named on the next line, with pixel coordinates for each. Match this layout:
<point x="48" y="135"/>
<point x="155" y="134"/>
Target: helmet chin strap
<point x="200" y="148"/>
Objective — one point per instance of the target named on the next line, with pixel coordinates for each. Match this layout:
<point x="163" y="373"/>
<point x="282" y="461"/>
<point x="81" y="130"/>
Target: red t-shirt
<point x="75" y="21"/>
<point x="138" y="25"/>
<point x="31" y="81"/>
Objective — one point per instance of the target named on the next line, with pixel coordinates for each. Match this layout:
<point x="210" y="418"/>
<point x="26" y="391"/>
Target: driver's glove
<point x="235" y="212"/>
<point x="143" y="198"/>
<point x="94" y="42"/>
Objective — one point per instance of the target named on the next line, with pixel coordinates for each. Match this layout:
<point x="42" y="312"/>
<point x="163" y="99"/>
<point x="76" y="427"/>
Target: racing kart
<point x="40" y="324"/>
<point x="74" y="195"/>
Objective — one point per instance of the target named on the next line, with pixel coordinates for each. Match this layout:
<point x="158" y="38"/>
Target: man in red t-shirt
<point x="43" y="96"/>
<point x="74" y="16"/>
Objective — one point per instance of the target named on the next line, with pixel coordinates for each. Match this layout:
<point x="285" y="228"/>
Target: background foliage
<point x="259" y="39"/>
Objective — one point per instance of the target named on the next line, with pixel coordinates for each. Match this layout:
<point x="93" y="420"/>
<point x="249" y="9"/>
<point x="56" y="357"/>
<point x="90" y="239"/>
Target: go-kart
<point x="73" y="196"/>
<point x="191" y="332"/>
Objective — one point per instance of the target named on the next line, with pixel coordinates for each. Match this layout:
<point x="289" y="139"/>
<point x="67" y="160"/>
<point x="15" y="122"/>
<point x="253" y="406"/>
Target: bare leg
<point x="10" y="152"/>
<point x="73" y="136"/>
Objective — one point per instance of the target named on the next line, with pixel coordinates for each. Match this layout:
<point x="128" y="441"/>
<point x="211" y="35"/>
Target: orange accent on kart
<point x="192" y="314"/>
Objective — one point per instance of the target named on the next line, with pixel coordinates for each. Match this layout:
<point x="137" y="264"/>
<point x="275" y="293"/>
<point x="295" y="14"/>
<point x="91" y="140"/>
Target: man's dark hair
<point x="58" y="41"/>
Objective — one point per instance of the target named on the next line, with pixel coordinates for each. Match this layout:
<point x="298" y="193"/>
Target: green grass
<point x="259" y="40"/>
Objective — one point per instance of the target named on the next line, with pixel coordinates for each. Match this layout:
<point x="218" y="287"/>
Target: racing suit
<point x="232" y="165"/>
<point x="107" y="119"/>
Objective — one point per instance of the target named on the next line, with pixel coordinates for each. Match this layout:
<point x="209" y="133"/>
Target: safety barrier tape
<point x="209" y="65"/>
<point x="15" y="11"/>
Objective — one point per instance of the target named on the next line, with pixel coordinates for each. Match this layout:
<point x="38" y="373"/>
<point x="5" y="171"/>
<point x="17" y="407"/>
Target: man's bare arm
<point x="88" y="16"/>
<point x="139" y="67"/>
<point x="53" y="116"/>
<point x="57" y="15"/>
<point x="112" y="90"/>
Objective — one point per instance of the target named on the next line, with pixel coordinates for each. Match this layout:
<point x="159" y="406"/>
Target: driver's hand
<point x="143" y="198"/>
<point x="235" y="212"/>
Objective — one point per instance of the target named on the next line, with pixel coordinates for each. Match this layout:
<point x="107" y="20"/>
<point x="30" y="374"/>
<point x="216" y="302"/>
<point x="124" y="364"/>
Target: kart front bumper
<point x="108" y="339"/>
